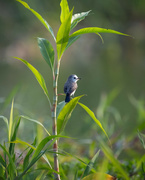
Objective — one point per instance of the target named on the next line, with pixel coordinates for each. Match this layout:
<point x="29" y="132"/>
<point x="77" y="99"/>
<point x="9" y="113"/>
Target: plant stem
<point x="54" y="128"/>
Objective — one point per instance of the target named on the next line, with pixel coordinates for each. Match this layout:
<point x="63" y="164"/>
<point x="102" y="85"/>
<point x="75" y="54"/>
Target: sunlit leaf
<point x="37" y="75"/>
<point x="91" y="114"/>
<point x="47" y="52"/>
<point x="91" y="164"/>
<point x="43" y="21"/>
<point x="64" y="10"/>
<point x="63" y="35"/>
<point x="65" y="114"/>
<point x="95" y="30"/>
<point x="76" y="18"/>
<point x="96" y="176"/>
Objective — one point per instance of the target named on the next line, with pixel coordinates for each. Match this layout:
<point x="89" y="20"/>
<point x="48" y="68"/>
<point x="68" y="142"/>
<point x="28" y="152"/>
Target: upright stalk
<point x="54" y="128"/>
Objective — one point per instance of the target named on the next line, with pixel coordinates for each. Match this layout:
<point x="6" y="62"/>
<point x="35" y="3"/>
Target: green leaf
<point x="12" y="146"/>
<point x="65" y="114"/>
<point x="64" y="10"/>
<point x="12" y="167"/>
<point x="63" y="35"/>
<point x="38" y="76"/>
<point x="142" y="139"/>
<point x="71" y="41"/>
<point x="11" y="121"/>
<point x="2" y="161"/>
<point x="43" y="21"/>
<point x="95" y="30"/>
<point x="47" y="52"/>
<point x="35" y="121"/>
<point x="7" y="124"/>
<point x="109" y="155"/>
<point x="76" y="18"/>
<point x="91" y="114"/>
<point x="91" y="164"/>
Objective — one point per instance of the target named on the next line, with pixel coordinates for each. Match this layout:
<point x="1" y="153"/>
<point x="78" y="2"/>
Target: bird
<point x="70" y="86"/>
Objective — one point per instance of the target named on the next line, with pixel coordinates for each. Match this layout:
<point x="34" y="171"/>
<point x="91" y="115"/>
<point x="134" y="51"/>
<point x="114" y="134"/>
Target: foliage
<point x="81" y="169"/>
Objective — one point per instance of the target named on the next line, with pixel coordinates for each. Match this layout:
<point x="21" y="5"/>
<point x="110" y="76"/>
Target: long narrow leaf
<point x="38" y="76"/>
<point x="91" y="164"/>
<point x="95" y="30"/>
<point x="12" y="164"/>
<point x="11" y="121"/>
<point x="35" y="121"/>
<point x="47" y="52"/>
<point x="43" y="21"/>
<point x="65" y="114"/>
<point x="64" y="10"/>
<point x="109" y="155"/>
<point x="63" y="35"/>
<point x="91" y="114"/>
<point x="12" y="146"/>
<point x="76" y="18"/>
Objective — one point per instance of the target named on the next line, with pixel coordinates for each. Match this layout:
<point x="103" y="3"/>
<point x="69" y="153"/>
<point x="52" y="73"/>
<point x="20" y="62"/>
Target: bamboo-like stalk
<point x="54" y="128"/>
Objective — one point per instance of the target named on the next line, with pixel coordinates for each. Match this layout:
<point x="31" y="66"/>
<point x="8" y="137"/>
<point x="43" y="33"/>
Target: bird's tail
<point x="67" y="99"/>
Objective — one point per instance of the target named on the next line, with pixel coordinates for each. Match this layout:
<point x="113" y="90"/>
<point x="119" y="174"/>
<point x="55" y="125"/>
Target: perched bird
<point x="70" y="86"/>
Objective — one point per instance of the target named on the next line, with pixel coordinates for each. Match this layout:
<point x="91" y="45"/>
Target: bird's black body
<point x="70" y="86"/>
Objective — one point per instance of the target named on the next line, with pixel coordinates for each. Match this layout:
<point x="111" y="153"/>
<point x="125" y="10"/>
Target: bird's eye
<point x="74" y="77"/>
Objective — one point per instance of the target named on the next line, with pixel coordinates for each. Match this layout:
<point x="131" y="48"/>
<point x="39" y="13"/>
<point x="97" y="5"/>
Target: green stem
<point x="55" y="145"/>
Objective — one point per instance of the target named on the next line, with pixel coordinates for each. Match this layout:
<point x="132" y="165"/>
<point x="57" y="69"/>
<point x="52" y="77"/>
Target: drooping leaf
<point x="76" y="18"/>
<point x="96" y="176"/>
<point x="64" y="10"/>
<point x="63" y="35"/>
<point x="47" y="52"/>
<point x="92" y="115"/>
<point x="95" y="30"/>
<point x="38" y="76"/>
<point x="37" y="122"/>
<point x="91" y="164"/>
<point x="43" y="21"/>
<point x="65" y="114"/>
<point x="72" y="40"/>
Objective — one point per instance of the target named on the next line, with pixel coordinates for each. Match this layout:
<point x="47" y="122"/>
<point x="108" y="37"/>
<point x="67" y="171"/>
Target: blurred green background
<point x="118" y="63"/>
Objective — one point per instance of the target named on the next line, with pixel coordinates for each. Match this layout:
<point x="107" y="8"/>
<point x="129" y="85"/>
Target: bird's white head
<point x="73" y="78"/>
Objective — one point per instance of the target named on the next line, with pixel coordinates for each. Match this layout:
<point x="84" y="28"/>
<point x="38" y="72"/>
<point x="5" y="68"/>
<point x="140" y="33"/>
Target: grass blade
<point x="47" y="52"/>
<point x="38" y="76"/>
<point x="11" y="121"/>
<point x="109" y="155"/>
<point x="92" y="115"/>
<point x="99" y="176"/>
<point x="43" y="21"/>
<point x="64" y="10"/>
<point x="12" y="145"/>
<point x="65" y="114"/>
<point x="91" y="164"/>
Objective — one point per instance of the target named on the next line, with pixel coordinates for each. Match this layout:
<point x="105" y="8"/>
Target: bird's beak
<point x="79" y="78"/>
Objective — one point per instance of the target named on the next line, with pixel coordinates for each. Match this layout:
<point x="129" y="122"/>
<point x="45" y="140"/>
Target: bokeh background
<point x="112" y="72"/>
